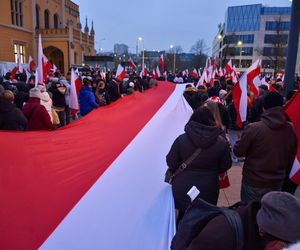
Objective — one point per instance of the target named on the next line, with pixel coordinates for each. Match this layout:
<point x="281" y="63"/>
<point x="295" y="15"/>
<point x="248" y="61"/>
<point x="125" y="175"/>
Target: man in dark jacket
<point x="269" y="147"/>
<point x="270" y="224"/>
<point x="11" y="118"/>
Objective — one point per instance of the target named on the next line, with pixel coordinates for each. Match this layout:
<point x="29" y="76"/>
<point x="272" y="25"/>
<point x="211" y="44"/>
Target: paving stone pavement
<point x="231" y="195"/>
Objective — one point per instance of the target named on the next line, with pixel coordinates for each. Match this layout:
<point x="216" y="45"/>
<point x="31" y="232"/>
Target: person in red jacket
<point x="36" y="114"/>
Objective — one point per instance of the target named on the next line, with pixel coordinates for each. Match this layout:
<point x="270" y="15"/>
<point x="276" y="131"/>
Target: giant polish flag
<point x="92" y="185"/>
<point x="292" y="109"/>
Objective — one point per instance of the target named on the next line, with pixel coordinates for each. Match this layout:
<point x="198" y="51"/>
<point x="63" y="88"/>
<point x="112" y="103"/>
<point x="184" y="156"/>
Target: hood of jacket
<point x="201" y="135"/>
<point x="274" y="118"/>
<point x="85" y="91"/>
<point x="6" y="107"/>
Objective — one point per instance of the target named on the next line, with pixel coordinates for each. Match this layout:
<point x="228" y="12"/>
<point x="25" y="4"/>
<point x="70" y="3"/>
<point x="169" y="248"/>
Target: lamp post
<point x="174" y="62"/>
<point x="101" y="49"/>
<point x="240" y="44"/>
<point x="141" y="40"/>
<point x="220" y="37"/>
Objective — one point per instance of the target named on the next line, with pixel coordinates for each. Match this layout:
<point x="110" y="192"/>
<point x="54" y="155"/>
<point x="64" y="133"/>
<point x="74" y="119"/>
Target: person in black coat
<point x="11" y="118"/>
<point x="200" y="132"/>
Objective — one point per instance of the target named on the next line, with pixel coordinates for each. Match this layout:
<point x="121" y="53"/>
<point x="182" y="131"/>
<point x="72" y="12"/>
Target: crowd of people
<point x="266" y="144"/>
<point x="25" y="106"/>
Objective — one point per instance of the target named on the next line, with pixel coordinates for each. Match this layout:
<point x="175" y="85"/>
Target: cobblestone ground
<point x="231" y="195"/>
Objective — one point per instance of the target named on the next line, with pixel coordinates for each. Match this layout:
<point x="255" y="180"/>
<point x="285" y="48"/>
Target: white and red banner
<point x="81" y="188"/>
<point x="292" y="109"/>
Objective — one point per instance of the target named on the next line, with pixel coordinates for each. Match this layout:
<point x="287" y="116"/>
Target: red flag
<point x="31" y="65"/>
<point x="131" y="63"/>
<point x="121" y="72"/>
<point x="195" y="74"/>
<point x="292" y="109"/>
<point x="228" y="67"/>
<point x="253" y="78"/>
<point x="145" y="71"/>
<point x="154" y="74"/>
<point x="239" y="94"/>
<point x="13" y="73"/>
<point x="162" y="63"/>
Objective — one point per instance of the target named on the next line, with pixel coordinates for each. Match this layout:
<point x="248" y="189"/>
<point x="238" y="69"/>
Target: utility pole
<point x="291" y="59"/>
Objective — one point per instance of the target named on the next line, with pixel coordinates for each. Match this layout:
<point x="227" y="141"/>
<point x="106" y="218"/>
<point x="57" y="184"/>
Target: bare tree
<point x="276" y="52"/>
<point x="199" y="47"/>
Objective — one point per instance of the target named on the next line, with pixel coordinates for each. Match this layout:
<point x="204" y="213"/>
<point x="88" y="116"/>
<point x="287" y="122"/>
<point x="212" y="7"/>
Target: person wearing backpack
<point x="269" y="224"/>
<point x="213" y="157"/>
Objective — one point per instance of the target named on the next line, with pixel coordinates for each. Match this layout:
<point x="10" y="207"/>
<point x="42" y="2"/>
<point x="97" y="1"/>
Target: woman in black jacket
<point x="200" y="132"/>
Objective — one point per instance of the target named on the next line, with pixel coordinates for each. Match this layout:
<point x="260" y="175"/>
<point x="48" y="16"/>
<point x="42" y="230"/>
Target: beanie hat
<point x="35" y="93"/>
<point x="279" y="216"/>
<point x="272" y="99"/>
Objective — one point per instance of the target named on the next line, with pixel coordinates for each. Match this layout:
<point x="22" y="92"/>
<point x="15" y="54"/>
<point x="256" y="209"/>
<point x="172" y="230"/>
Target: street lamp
<point x="220" y="37"/>
<point x="240" y="44"/>
<point x="174" y="63"/>
<point x="141" y="40"/>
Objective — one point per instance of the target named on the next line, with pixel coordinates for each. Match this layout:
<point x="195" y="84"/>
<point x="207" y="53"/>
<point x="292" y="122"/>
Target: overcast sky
<point x="159" y="22"/>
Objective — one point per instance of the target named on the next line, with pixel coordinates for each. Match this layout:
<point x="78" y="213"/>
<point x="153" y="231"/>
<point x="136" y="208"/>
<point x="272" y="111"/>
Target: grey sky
<point x="159" y="22"/>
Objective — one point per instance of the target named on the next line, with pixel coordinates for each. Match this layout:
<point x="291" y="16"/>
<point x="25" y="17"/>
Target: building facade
<point x="58" y="22"/>
<point x="254" y="31"/>
<point x="120" y="49"/>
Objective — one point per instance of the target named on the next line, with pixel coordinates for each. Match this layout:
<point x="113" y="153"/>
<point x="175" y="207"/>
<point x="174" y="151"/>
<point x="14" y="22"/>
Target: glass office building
<point x="250" y="32"/>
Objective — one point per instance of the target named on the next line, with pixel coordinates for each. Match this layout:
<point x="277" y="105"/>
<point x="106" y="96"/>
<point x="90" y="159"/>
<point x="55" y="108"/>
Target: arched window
<point x="55" y="21"/>
<point x="16" y="12"/>
<point x="37" y="14"/>
<point x="46" y="16"/>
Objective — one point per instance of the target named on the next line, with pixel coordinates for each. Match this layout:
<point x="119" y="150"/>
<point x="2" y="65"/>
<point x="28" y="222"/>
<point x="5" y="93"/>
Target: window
<point x="233" y="39"/>
<point x="46" y="15"/>
<point x="16" y="12"/>
<point x="244" y="63"/>
<point x="246" y="51"/>
<point x="19" y="48"/>
<point x="75" y="58"/>
<point x="55" y="21"/>
<point x="273" y="26"/>
<point x="279" y="52"/>
<point x="276" y="39"/>
<point x="37" y="14"/>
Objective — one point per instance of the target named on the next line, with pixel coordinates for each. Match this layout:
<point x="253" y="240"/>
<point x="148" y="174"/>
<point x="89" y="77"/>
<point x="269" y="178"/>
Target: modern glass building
<point x="251" y="32"/>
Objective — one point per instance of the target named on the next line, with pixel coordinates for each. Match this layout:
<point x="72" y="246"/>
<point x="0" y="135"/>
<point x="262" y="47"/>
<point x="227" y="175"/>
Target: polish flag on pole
<point x="47" y="66"/>
<point x="195" y="74"/>
<point x="162" y="63"/>
<point x="31" y="65"/>
<point x="39" y="79"/>
<point x="264" y="82"/>
<point x="202" y="79"/>
<point x="158" y="72"/>
<point x="146" y="72"/>
<point x="292" y="109"/>
<point x="199" y="73"/>
<point x="239" y="95"/>
<point x="221" y="73"/>
<point x="131" y="63"/>
<point x="121" y="72"/>
<point x="253" y="78"/>
<point x="74" y="105"/>
<point x="154" y="74"/>
<point x="228" y="67"/>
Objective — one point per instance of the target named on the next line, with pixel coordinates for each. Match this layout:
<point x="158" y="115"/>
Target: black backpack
<point x="198" y="215"/>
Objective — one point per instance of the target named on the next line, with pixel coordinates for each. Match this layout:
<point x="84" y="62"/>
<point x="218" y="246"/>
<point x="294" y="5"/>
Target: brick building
<point x="64" y="42"/>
